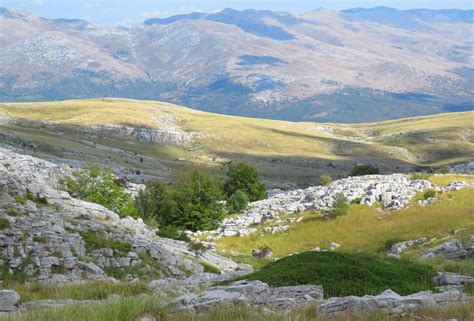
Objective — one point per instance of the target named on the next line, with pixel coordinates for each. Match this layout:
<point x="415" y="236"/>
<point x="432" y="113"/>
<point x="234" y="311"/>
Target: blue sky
<point x="124" y="11"/>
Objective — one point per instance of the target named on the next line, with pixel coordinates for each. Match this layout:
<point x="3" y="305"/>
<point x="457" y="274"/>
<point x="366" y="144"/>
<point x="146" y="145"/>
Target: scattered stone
<point x="450" y="250"/>
<point x="333" y="246"/>
<point x="9" y="301"/>
<point x="262" y="253"/>
<point x="393" y="191"/>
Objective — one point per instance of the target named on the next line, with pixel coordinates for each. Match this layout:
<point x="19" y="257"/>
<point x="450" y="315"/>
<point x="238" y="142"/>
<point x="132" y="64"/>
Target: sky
<point x="132" y="11"/>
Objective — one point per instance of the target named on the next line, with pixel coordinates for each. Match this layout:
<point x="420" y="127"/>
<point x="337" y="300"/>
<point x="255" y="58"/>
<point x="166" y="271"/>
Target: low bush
<point x="238" y="202"/>
<point x="172" y="232"/>
<point x="343" y="274"/>
<point x="340" y="205"/>
<point x="94" y="241"/>
<point x="445" y="170"/>
<point x="360" y="170"/>
<point x="325" y="180"/>
<point x="99" y="185"/>
<point x="4" y="223"/>
<point x="208" y="268"/>
<point x="429" y="194"/>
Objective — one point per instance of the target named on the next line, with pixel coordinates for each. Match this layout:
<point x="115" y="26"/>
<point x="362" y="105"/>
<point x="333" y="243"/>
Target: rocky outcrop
<point x="255" y="293"/>
<point x="167" y="132"/>
<point x="50" y="236"/>
<point x="450" y="250"/>
<point x="388" y="302"/>
<point x="392" y="191"/>
<point x="9" y="301"/>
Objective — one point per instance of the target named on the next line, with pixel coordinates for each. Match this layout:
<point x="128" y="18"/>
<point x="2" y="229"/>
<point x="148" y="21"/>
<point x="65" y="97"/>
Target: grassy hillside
<point x="300" y="148"/>
<point x="363" y="228"/>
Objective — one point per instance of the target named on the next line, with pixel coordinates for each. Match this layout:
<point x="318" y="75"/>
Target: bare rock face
<point x="254" y="293"/>
<point x="450" y="250"/>
<point x="388" y="302"/>
<point x="9" y="301"/>
<point x="47" y="240"/>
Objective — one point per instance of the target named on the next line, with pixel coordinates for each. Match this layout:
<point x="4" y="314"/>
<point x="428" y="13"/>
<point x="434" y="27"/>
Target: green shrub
<point x="198" y="248"/>
<point x="429" y="194"/>
<point x="94" y="241"/>
<point x="208" y="268"/>
<point x="420" y="176"/>
<point x="172" y="232"/>
<point x="445" y="169"/>
<point x="343" y="274"/>
<point x="4" y="223"/>
<point x="360" y="170"/>
<point x="156" y="203"/>
<point x="325" y="180"/>
<point x="357" y="200"/>
<point x="98" y="185"/>
<point x="241" y="176"/>
<point x="238" y="202"/>
<point x="340" y="205"/>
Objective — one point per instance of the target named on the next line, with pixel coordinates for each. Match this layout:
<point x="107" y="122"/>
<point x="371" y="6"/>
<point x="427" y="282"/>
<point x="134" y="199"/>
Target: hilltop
<point x="352" y="66"/>
<point x="143" y="139"/>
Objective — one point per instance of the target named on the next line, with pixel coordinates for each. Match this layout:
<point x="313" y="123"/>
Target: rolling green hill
<point x="296" y="152"/>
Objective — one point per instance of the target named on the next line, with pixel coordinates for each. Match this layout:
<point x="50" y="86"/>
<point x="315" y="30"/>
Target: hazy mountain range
<point x="349" y="66"/>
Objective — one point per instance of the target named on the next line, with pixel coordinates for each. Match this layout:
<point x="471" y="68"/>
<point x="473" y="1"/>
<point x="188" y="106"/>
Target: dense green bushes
<point x="343" y="274"/>
<point x="245" y="178"/>
<point x="197" y="201"/>
<point x="98" y="185"/>
<point x="360" y="170"/>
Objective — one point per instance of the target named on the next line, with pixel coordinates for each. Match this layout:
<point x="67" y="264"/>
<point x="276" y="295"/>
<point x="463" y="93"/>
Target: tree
<point x="99" y="185"/>
<point x="241" y="176"/>
<point x="198" y="200"/>
<point x="340" y="205"/>
<point x="238" y="202"/>
<point x="360" y="170"/>
<point x="445" y="169"/>
<point x="325" y="180"/>
<point x="156" y="203"/>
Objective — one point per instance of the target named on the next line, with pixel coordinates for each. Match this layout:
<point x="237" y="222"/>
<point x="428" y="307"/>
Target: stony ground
<point x="49" y="237"/>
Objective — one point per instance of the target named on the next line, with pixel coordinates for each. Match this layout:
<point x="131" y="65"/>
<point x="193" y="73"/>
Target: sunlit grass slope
<point x="281" y="149"/>
<point x="363" y="228"/>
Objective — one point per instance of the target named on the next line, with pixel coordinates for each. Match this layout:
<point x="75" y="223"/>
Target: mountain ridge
<point x="322" y="65"/>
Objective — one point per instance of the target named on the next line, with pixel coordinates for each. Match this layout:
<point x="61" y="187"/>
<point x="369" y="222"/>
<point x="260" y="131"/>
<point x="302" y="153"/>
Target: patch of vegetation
<point x="445" y="170"/>
<point x="325" y="180"/>
<point x="364" y="229"/>
<point x="208" y="268"/>
<point x="148" y="269"/>
<point x="420" y="176"/>
<point x="4" y="223"/>
<point x="238" y="202"/>
<point x="343" y="274"/>
<point x="94" y="241"/>
<point x="429" y="194"/>
<point x="99" y="185"/>
<point x="245" y="178"/>
<point x="193" y="204"/>
<point x="172" y="232"/>
<point x="340" y="205"/>
<point x="36" y="198"/>
<point x="87" y="291"/>
<point x="41" y="239"/>
<point x="360" y="170"/>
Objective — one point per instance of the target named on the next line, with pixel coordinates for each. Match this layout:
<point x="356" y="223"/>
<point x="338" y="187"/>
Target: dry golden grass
<point x="363" y="228"/>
